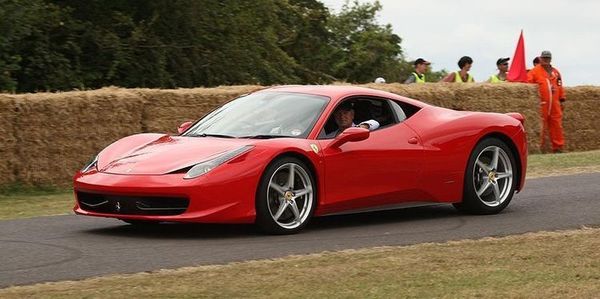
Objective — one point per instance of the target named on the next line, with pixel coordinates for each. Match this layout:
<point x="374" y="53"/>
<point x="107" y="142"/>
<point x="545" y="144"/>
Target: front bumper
<point x="219" y="198"/>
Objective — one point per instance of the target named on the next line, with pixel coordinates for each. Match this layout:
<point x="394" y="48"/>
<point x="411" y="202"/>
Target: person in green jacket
<point x="418" y="76"/>
<point x="502" y="64"/>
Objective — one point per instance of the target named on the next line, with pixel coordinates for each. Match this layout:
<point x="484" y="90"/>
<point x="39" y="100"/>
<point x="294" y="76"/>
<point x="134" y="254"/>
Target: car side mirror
<point x="184" y="126"/>
<point x="351" y="134"/>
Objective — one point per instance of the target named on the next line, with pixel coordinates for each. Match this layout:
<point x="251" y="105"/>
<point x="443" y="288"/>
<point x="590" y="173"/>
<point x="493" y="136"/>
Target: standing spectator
<point x="462" y="76"/>
<point x="418" y="76"/>
<point x="502" y="64"/>
<point x="552" y="98"/>
<point x="536" y="61"/>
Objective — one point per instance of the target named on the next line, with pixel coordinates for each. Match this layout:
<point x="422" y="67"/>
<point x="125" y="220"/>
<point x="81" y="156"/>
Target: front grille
<point x="132" y="205"/>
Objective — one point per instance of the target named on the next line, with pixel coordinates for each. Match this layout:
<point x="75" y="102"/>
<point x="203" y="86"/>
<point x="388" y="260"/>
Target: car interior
<point x="386" y="112"/>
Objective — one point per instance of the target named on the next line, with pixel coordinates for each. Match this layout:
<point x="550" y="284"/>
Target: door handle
<point x="413" y="140"/>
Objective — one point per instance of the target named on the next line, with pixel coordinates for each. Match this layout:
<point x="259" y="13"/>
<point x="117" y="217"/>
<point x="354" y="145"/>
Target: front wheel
<point x="490" y="178"/>
<point x="286" y="197"/>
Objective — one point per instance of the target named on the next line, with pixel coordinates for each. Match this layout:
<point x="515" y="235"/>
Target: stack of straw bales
<point x="166" y="109"/>
<point x="8" y="142"/>
<point x="581" y="118"/>
<point x="503" y="98"/>
<point x="57" y="133"/>
<point x="46" y="137"/>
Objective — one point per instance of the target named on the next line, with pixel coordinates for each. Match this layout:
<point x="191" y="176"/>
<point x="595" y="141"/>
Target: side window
<point x="363" y="109"/>
<point x="403" y="110"/>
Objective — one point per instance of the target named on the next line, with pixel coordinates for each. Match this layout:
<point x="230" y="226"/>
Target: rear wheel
<point x="286" y="197"/>
<point x="490" y="178"/>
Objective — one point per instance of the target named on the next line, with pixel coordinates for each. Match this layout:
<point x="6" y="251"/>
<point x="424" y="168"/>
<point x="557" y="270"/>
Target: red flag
<point x="518" y="71"/>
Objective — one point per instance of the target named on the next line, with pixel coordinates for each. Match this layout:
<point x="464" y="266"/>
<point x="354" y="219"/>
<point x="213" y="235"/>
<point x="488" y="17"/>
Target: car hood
<point x="164" y="154"/>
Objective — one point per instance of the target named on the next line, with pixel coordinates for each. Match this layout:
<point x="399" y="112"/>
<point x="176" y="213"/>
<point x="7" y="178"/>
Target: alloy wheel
<point x="290" y="195"/>
<point x="493" y="176"/>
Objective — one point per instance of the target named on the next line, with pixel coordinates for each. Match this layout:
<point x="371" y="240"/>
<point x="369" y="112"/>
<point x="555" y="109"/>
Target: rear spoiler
<point x="517" y="116"/>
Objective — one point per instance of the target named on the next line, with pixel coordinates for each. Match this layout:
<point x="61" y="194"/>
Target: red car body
<point x="419" y="160"/>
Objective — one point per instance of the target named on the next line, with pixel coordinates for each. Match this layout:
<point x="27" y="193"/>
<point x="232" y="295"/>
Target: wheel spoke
<point x="483" y="187"/>
<point x="295" y="210"/>
<point x="494" y="164"/>
<point x="503" y="175"/>
<point x="302" y="192"/>
<point x="280" y="210"/>
<point x="483" y="166"/>
<point x="290" y="195"/>
<point x="496" y="192"/>
<point x="277" y="188"/>
<point x="291" y="176"/>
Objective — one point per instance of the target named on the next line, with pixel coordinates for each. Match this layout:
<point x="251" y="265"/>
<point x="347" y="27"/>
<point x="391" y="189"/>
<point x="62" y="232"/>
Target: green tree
<point x="364" y="49"/>
<point x="36" y="47"/>
<point x="305" y="36"/>
<point x="66" y="44"/>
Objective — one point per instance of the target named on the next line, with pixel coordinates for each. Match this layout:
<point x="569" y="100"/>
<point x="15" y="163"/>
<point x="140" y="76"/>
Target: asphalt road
<point x="75" y="247"/>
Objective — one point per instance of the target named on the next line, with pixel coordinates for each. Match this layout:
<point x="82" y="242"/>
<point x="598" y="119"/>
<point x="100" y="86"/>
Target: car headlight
<point x="206" y="166"/>
<point x="90" y="165"/>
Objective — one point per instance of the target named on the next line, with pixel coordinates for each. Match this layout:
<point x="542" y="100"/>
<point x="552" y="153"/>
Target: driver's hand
<point x="366" y="126"/>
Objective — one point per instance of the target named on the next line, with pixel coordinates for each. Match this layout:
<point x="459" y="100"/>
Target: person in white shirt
<point x="344" y="118"/>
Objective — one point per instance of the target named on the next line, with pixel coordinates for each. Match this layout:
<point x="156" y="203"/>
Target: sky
<point x="443" y="31"/>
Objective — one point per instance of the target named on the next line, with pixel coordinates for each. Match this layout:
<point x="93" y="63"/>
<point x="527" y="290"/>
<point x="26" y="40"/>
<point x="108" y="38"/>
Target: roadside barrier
<point x="46" y="137"/>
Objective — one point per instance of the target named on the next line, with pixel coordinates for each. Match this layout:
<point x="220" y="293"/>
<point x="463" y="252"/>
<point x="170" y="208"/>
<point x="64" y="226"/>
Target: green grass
<point x="32" y="203"/>
<point x="19" y="201"/>
<point x="560" y="164"/>
<point x="538" y="265"/>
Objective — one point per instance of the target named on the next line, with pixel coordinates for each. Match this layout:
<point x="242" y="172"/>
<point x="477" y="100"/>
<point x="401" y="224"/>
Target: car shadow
<point x="384" y="217"/>
<point x="318" y="224"/>
<point x="177" y="231"/>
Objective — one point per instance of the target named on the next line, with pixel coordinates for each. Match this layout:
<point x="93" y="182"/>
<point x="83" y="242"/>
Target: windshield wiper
<point x="264" y="136"/>
<point x="213" y="135"/>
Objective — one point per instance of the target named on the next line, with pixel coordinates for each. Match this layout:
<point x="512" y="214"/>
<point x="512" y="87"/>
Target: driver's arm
<point x="370" y="124"/>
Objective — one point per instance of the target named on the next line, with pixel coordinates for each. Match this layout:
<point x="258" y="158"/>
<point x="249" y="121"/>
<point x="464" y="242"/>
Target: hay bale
<point x="166" y="109"/>
<point x="8" y="142"/>
<point x="59" y="132"/>
<point x="581" y="118"/>
<point x="501" y="98"/>
<point x="442" y="95"/>
<point x="46" y="137"/>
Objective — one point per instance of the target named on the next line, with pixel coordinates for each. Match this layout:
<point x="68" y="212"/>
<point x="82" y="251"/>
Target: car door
<point x="380" y="170"/>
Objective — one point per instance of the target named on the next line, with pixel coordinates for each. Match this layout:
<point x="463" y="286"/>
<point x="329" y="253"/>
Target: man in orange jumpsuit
<point x="552" y="97"/>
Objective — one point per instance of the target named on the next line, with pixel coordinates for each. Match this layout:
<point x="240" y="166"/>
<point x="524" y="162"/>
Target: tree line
<point x="53" y="45"/>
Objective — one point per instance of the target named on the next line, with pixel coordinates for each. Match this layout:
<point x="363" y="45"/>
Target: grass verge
<point x="22" y="202"/>
<point x="563" y="164"/>
<point x="535" y="265"/>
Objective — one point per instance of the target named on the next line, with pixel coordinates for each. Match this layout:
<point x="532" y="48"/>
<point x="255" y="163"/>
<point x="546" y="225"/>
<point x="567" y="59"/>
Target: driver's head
<point x="344" y="115"/>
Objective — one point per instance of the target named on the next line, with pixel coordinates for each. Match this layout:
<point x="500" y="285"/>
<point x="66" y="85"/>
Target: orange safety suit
<point x="551" y="94"/>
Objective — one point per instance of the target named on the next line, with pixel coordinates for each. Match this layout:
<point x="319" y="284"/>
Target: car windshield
<point x="263" y="115"/>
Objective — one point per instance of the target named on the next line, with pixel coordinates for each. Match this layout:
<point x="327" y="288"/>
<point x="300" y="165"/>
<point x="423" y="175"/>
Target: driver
<point x="344" y="118"/>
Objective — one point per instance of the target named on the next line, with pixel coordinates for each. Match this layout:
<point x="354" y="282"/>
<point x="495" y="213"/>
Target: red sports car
<point x="280" y="156"/>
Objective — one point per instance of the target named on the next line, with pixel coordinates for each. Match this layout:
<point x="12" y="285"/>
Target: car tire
<point x="490" y="178"/>
<point x="286" y="197"/>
